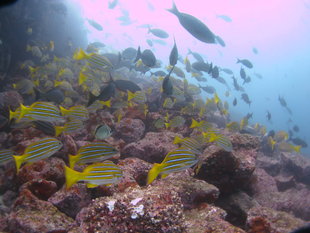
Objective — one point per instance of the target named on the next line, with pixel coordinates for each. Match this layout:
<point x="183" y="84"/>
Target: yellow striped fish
<point x="76" y="112"/>
<point x="96" y="174"/>
<point x="194" y="144"/>
<point x="98" y="104"/>
<point x="6" y="155"/>
<point x="38" y="150"/>
<point x="42" y="111"/>
<point x="92" y="153"/>
<point x="137" y="97"/>
<point x="201" y="125"/>
<point x="175" y="161"/>
<point x="220" y="139"/>
<point x="70" y="127"/>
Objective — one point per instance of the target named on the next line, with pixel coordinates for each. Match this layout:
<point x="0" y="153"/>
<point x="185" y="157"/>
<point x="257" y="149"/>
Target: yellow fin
<point x="177" y="140"/>
<point x="72" y="160"/>
<point x="194" y="123"/>
<point x="130" y="95"/>
<point x="297" y="148"/>
<point x="59" y="130"/>
<point x="89" y="185"/>
<point x="71" y="176"/>
<point x="153" y="173"/>
<point x="63" y="110"/>
<point x="79" y="55"/>
<point x="106" y="103"/>
<point x="19" y="159"/>
<point x="82" y="78"/>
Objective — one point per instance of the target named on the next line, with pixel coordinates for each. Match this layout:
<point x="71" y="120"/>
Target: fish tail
<point x="177" y="140"/>
<point x="79" y="55"/>
<point x="18" y="161"/>
<point x="174" y="9"/>
<point x="59" y="130"/>
<point x="297" y="148"/>
<point x="63" y="111"/>
<point x="153" y="173"/>
<point x="72" y="160"/>
<point x="71" y="177"/>
<point x="82" y="78"/>
<point x="12" y="115"/>
<point x="167" y="125"/>
<point x="106" y="103"/>
<point x="130" y="95"/>
<point x="23" y="111"/>
<point x="194" y="123"/>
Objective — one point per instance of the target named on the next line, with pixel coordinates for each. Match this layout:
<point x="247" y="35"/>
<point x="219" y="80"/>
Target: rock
<point x="130" y="130"/>
<point x="40" y="188"/>
<point x="262" y="183"/>
<point x="262" y="219"/>
<point x="9" y="197"/>
<point x="3" y="137"/>
<point x="154" y="209"/>
<point x="51" y="169"/>
<point x="244" y="141"/>
<point x="69" y="145"/>
<point x="271" y="165"/>
<point x="237" y="205"/>
<point x="285" y="182"/>
<point x="152" y="148"/>
<point x="7" y="177"/>
<point x="208" y="218"/>
<point x="229" y="171"/>
<point x="219" y="119"/>
<point x="3" y="223"/>
<point x="134" y="172"/>
<point x="71" y="201"/>
<point x="193" y="192"/>
<point x="10" y="99"/>
<point x="33" y="215"/>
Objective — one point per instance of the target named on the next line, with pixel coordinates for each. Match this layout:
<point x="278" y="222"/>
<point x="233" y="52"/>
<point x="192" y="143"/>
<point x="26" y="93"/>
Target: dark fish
<point x="268" y="116"/>
<point x="255" y="50"/>
<point x="158" y="32"/>
<point x="197" y="56"/>
<point x="126" y="85"/>
<point x="173" y="58"/>
<point x="215" y="72"/>
<point x="201" y="66"/>
<point x="245" y="62"/>
<point x="55" y="95"/>
<point x="7" y="2"/>
<point x="227" y="71"/>
<point x="296" y="128"/>
<point x="299" y="142"/>
<point x="159" y="73"/>
<point x="129" y="53"/>
<point x="258" y="75"/>
<point x="235" y="102"/>
<point x="95" y="24"/>
<point x="246" y="98"/>
<point x="105" y="94"/>
<point x="147" y="57"/>
<point x="220" y="41"/>
<point x="167" y="84"/>
<point x="284" y="104"/>
<point x="236" y="85"/>
<point x="149" y="42"/>
<point x="305" y="229"/>
<point x="208" y="89"/>
<point x="113" y="4"/>
<point x="242" y="74"/>
<point x="247" y="80"/>
<point x="221" y="80"/>
<point x="249" y="115"/>
<point x="45" y="126"/>
<point x="194" y="26"/>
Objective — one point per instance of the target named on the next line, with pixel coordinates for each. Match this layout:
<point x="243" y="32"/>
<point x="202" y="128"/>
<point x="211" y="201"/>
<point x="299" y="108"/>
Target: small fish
<point x="158" y="32"/>
<point x="71" y="126"/>
<point x="197" y="56"/>
<point x="92" y="153"/>
<point x="6" y="155"/>
<point x="202" y="125"/>
<point x="102" y="132"/>
<point x="78" y="112"/>
<point x="225" y="18"/>
<point x="167" y="85"/>
<point x="227" y="71"/>
<point x="287" y="147"/>
<point x="242" y="73"/>
<point x="113" y="4"/>
<point x="149" y="42"/>
<point x="46" y="127"/>
<point x="43" y="111"/>
<point x="243" y="123"/>
<point x="268" y="116"/>
<point x="38" y="150"/>
<point x="194" y="144"/>
<point x="175" y="122"/>
<point x="175" y="161"/>
<point x="208" y="89"/>
<point x="98" y="104"/>
<point x="235" y="101"/>
<point x="246" y="98"/>
<point x="147" y="56"/>
<point x="233" y="126"/>
<point x="281" y="136"/>
<point x="159" y="123"/>
<point x="95" y="24"/>
<point x="220" y="139"/>
<point x="187" y="64"/>
<point x="169" y="103"/>
<point x="173" y="57"/>
<point x="296" y="128"/>
<point x="245" y="62"/>
<point x="106" y="173"/>
<point x="137" y="97"/>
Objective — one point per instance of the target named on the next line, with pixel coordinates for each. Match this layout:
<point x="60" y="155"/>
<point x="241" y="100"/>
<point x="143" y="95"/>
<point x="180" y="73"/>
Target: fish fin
<point x="138" y="55"/>
<point x="297" y="148"/>
<point x="23" y="111"/>
<point x="164" y="175"/>
<point x="131" y="95"/>
<point x="79" y="54"/>
<point x="36" y="83"/>
<point x="12" y="114"/>
<point x="153" y="173"/>
<point x="89" y="185"/>
<point x="174" y="9"/>
<point x="194" y="123"/>
<point x="177" y="140"/>
<point x="167" y="125"/>
<point x="72" y="160"/>
<point x="71" y="177"/>
<point x="238" y="60"/>
<point x="63" y="110"/>
<point x="106" y="103"/>
<point x="82" y="78"/>
<point x="59" y="130"/>
<point x="91" y="99"/>
<point x="19" y="159"/>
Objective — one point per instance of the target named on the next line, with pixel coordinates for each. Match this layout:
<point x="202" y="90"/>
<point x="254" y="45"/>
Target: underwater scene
<point x="154" y="116"/>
